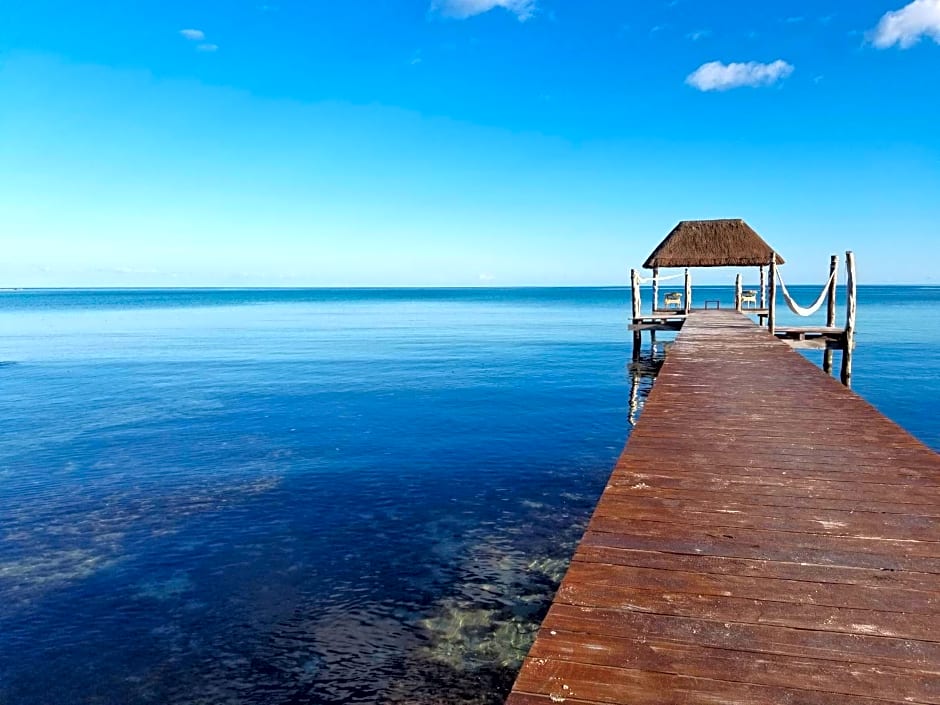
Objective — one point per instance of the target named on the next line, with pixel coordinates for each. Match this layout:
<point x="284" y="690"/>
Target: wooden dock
<point x="766" y="537"/>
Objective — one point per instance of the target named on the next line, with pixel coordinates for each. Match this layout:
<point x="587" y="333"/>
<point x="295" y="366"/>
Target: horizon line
<point x="402" y="287"/>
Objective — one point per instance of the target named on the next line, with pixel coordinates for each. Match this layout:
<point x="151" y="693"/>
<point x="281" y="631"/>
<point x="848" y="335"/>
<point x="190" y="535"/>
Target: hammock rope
<point x="795" y="307"/>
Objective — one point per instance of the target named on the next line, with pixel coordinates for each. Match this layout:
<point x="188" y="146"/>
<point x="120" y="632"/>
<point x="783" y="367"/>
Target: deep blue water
<point x="349" y="496"/>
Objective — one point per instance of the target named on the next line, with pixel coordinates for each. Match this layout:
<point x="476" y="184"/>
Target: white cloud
<point x="716" y="76"/>
<point x="699" y="34"/>
<point x="907" y="26"/>
<point x="462" y="9"/>
<point x="208" y="47"/>
<point x="195" y="35"/>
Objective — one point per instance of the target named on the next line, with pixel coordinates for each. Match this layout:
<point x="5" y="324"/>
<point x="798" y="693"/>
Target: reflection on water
<point x="646" y="364"/>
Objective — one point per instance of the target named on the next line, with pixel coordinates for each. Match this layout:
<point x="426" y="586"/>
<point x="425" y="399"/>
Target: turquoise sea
<point x="323" y="496"/>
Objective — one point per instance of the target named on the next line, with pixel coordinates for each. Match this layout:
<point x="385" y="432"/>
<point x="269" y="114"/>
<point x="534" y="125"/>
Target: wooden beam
<point x="738" y="293"/>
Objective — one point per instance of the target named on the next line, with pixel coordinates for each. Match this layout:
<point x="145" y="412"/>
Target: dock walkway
<point x="766" y="537"/>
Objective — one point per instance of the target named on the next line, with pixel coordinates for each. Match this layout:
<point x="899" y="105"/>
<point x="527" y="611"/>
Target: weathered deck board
<point x="766" y="537"/>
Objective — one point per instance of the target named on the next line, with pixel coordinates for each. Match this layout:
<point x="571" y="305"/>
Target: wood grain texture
<point x="766" y="537"/>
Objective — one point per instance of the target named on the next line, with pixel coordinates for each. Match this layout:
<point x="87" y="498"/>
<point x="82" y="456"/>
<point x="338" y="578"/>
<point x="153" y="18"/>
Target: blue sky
<point x="459" y="142"/>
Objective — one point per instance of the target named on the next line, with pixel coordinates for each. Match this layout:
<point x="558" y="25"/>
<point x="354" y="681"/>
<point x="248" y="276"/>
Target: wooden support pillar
<point x="763" y="288"/>
<point x="635" y="286"/>
<point x="833" y="284"/>
<point x="637" y="312"/>
<point x="655" y="290"/>
<point x="772" y="296"/>
<point x="688" y="292"/>
<point x="831" y="310"/>
<point x="738" y="294"/>
<point x="851" y="310"/>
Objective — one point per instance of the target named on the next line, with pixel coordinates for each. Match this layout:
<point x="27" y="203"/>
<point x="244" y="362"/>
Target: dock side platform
<point x="767" y="536"/>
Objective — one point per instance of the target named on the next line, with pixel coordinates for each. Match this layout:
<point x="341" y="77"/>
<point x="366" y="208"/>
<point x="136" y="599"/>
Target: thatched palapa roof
<point x="712" y="243"/>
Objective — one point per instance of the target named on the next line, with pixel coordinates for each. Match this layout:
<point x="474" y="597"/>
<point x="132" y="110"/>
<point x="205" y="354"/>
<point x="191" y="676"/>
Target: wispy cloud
<point x="907" y="26"/>
<point x="699" y="34"/>
<point x="198" y="36"/>
<point x="462" y="9"/>
<point x="716" y="76"/>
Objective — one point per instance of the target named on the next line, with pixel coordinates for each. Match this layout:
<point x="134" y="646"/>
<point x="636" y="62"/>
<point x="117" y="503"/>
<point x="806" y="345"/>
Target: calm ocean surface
<point x="322" y="496"/>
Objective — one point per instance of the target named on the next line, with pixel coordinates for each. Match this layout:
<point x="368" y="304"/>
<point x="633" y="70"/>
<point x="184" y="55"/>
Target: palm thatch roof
<point x="712" y="243"/>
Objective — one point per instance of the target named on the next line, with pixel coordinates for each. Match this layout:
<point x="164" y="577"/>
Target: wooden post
<point x="831" y="311"/>
<point x="851" y="309"/>
<point x="738" y="294"/>
<point x="772" y="296"/>
<point x="635" y="285"/>
<point x="828" y="358"/>
<point x="763" y="288"/>
<point x="688" y="292"/>
<point x="637" y="312"/>
<point x="655" y="290"/>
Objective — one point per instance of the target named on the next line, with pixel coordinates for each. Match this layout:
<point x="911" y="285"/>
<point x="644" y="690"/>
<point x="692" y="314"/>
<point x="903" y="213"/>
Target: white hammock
<point x="647" y="280"/>
<point x="795" y="307"/>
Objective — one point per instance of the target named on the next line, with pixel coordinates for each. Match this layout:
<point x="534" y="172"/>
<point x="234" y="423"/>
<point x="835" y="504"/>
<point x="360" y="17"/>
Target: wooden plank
<point x="715" y="515"/>
<point x="710" y="482"/>
<point x="809" y="330"/>
<point x="561" y="681"/>
<point x="915" y="656"/>
<point x="781" y="500"/>
<point x="797" y="548"/>
<point x="664" y="656"/>
<point x="787" y="570"/>
<point x="606" y="582"/>
<point x="770" y="512"/>
<point x="767" y="536"/>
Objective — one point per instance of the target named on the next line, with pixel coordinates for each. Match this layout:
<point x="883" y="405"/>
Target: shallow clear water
<point x="321" y="496"/>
